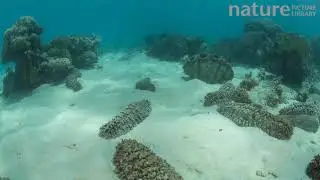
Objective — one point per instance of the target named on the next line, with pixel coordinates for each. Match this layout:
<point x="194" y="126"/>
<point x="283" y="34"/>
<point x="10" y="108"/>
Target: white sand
<point x="36" y="134"/>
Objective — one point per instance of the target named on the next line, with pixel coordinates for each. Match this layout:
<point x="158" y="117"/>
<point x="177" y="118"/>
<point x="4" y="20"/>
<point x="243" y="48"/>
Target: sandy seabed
<point x="53" y="134"/>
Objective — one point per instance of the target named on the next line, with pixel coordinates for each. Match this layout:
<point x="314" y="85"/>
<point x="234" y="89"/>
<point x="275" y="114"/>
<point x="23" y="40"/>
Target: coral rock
<point x="24" y="35"/>
<point x="315" y="47"/>
<point x="56" y="69"/>
<point x="145" y="84"/>
<point x="313" y="168"/>
<point x="72" y="81"/>
<point x="83" y="50"/>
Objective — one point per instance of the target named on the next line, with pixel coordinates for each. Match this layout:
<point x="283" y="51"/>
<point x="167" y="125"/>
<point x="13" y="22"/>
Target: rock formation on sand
<point x="37" y="64"/>
<point x="313" y="168"/>
<point x="145" y="84"/>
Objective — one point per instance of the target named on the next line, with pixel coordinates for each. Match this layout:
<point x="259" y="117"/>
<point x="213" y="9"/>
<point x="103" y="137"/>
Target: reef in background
<point x="37" y="63"/>
<point x="262" y="44"/>
<point x="266" y="44"/>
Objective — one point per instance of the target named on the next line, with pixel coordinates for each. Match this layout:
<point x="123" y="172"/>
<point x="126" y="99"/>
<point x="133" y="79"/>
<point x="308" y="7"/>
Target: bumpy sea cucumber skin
<point x="301" y="108"/>
<point x="213" y="98"/>
<point x="250" y="115"/>
<point x="226" y="93"/>
<point x="134" y="161"/>
<point x="120" y="125"/>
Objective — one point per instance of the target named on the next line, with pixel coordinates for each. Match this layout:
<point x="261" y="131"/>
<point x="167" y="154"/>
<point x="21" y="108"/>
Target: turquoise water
<point x="70" y="106"/>
<point x="126" y="22"/>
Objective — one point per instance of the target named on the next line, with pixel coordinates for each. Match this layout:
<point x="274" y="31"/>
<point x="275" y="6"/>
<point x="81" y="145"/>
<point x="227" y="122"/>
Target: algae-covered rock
<point x="146" y="85"/>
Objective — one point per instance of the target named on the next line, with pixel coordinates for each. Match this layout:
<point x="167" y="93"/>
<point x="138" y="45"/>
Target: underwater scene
<point x="160" y="90"/>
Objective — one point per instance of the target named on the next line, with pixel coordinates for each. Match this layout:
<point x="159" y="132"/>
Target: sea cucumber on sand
<point x="133" y="161"/>
<point x="226" y="93"/>
<point x="251" y="115"/>
<point x="120" y="125"/>
<point x="308" y="108"/>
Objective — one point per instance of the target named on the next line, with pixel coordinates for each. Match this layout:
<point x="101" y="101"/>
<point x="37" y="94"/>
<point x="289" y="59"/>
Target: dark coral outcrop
<point x="264" y="43"/>
<point x="171" y="47"/>
<point x="23" y="36"/>
<point x="208" y="68"/>
<point x="21" y="44"/>
<point x="55" y="69"/>
<point x="82" y="50"/>
<point x="145" y="84"/>
<point x="252" y="45"/>
<point x="315" y="48"/>
<point x="37" y="64"/>
<point x="313" y="168"/>
<point x="289" y="55"/>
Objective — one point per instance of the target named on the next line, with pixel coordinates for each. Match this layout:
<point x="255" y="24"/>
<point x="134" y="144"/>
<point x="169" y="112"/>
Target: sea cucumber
<point x="120" y="125"/>
<point x="133" y="161"/>
<point x="308" y="108"/>
<point x="251" y="115"/>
